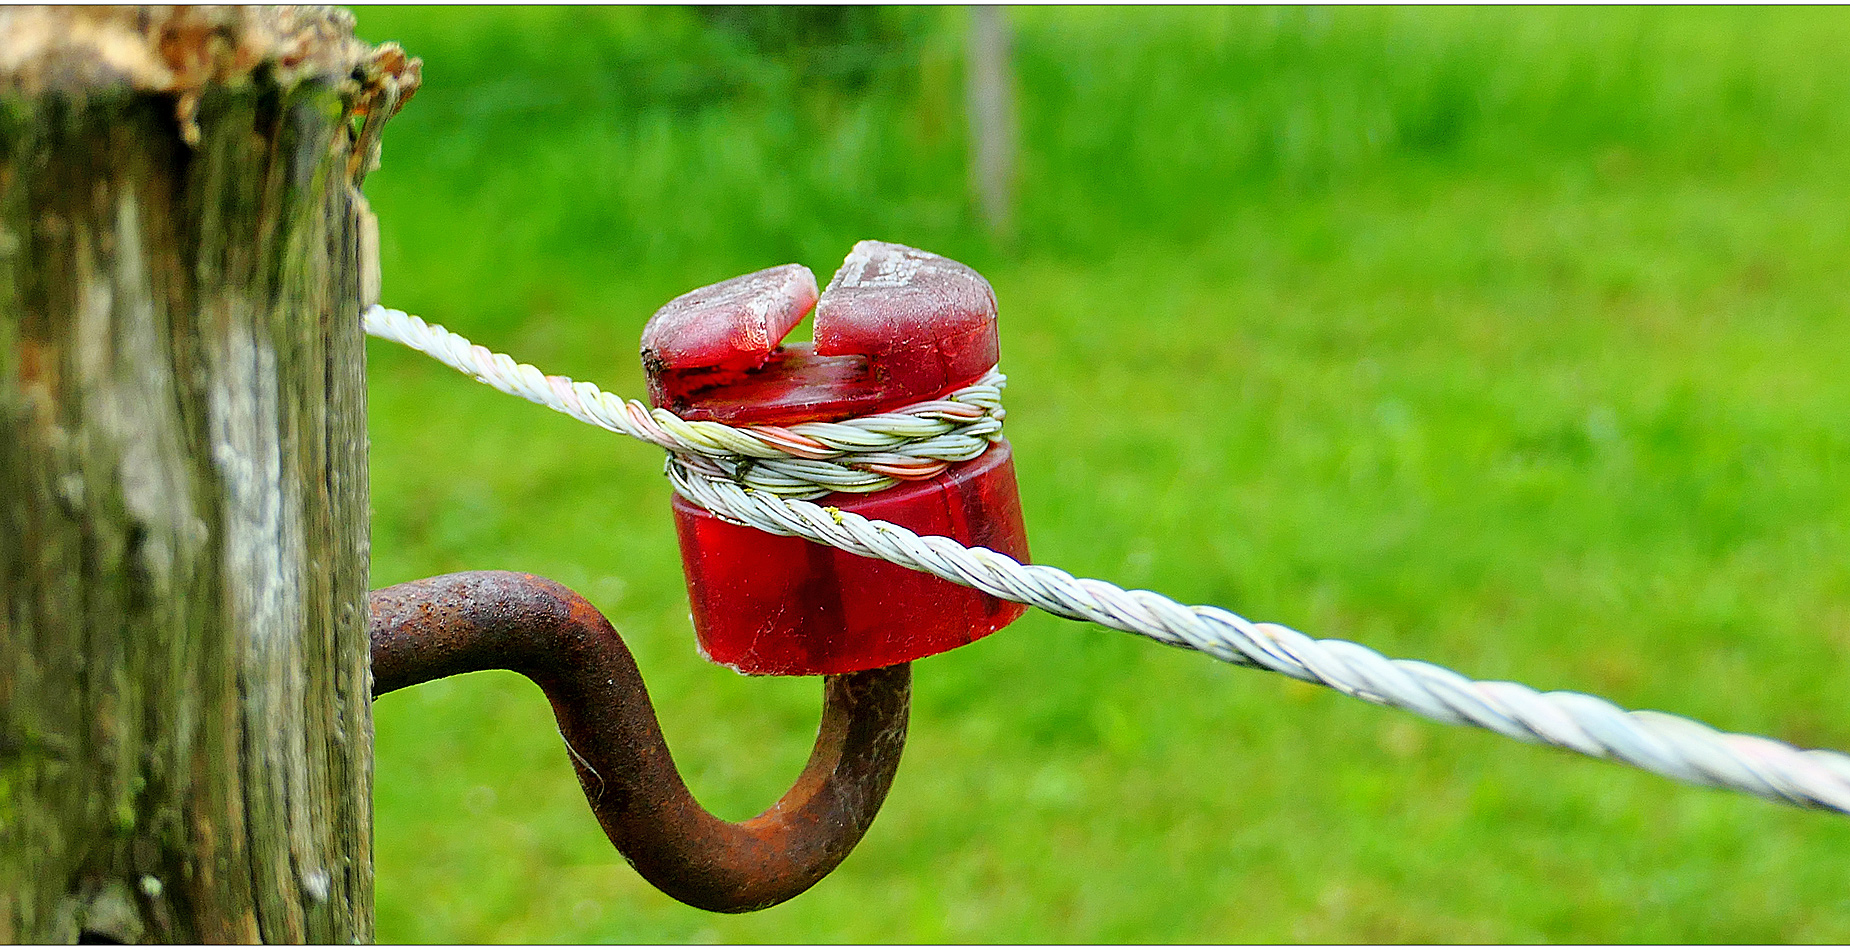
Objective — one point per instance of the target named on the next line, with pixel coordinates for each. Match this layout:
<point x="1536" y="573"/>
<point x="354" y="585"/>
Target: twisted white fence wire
<point x="707" y="462"/>
<point x="806" y="460"/>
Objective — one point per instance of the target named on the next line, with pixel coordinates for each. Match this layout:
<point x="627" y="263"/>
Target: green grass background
<point x="1514" y="340"/>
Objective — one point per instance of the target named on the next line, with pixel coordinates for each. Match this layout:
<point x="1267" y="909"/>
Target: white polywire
<point x="805" y="460"/>
<point x="705" y="465"/>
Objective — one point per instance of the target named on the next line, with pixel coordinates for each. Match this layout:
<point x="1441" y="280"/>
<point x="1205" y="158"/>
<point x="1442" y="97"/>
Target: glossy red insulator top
<point x="895" y="326"/>
<point x="731" y="325"/>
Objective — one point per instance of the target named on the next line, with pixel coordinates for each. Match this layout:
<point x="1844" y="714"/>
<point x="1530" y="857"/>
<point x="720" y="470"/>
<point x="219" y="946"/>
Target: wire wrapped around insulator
<point x="488" y="620"/>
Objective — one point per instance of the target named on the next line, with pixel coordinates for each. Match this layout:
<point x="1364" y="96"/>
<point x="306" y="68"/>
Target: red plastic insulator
<point x="895" y="326"/>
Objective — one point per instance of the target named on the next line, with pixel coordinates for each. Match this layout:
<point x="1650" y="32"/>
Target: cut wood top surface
<point x="184" y="49"/>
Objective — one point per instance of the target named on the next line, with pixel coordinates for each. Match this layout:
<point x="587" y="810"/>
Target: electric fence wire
<point x="761" y="476"/>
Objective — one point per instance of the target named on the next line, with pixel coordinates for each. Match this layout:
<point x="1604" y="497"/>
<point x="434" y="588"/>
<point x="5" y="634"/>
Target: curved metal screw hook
<point x="483" y="620"/>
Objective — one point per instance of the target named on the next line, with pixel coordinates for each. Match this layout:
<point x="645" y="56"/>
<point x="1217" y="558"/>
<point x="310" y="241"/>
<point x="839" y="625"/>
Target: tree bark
<point x="185" y="726"/>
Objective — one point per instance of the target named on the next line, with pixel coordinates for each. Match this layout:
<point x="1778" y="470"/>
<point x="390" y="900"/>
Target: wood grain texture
<point x="185" y="724"/>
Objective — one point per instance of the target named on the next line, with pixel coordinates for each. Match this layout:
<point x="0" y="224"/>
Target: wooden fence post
<point x="990" y="86"/>
<point x="185" y="722"/>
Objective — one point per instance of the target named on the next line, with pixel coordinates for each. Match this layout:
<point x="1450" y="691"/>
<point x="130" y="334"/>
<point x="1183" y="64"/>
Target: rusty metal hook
<point x="484" y="620"/>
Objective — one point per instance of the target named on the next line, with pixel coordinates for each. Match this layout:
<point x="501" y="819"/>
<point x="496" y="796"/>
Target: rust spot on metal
<point x="482" y="620"/>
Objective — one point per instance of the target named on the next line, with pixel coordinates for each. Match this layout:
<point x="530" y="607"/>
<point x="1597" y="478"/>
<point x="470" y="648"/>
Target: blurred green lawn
<point x="1514" y="340"/>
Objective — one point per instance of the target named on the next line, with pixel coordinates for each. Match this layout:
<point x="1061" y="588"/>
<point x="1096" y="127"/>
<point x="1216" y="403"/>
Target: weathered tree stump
<point x="185" y="729"/>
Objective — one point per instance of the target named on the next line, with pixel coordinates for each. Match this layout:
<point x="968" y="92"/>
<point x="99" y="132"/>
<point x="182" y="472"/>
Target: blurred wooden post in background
<point x="185" y="721"/>
<point x="991" y="94"/>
